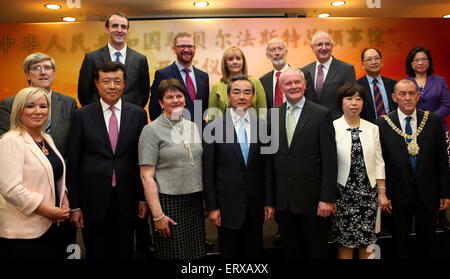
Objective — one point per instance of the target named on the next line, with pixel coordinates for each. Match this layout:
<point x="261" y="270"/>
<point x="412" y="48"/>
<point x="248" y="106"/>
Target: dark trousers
<point x="67" y="235"/>
<point x="243" y="243"/>
<point x="143" y="238"/>
<point x="112" y="237"/>
<point x="43" y="247"/>
<point x="425" y="224"/>
<point x="304" y="236"/>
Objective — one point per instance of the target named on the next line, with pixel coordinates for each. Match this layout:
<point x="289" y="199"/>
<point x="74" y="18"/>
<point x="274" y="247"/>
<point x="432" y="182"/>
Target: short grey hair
<point x="289" y="70"/>
<point x="321" y="33"/>
<point x="36" y="58"/>
<point x="271" y="42"/>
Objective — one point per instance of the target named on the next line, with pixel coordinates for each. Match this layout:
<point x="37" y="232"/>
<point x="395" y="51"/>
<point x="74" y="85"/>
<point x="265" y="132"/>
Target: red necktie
<point x="113" y="135"/>
<point x="190" y="85"/>
<point x="378" y="99"/>
<point x="278" y="93"/>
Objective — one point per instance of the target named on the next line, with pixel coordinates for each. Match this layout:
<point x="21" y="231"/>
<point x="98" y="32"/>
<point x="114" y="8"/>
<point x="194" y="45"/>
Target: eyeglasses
<point x="370" y="59"/>
<point x="422" y="59"/>
<point x="39" y="68"/>
<point x="190" y="47"/>
<point x="327" y="44"/>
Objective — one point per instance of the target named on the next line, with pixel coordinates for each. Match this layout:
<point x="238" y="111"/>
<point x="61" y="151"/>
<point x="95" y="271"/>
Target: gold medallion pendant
<point x="413" y="148"/>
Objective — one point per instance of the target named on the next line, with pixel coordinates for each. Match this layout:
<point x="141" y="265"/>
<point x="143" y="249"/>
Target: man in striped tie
<point x="379" y="102"/>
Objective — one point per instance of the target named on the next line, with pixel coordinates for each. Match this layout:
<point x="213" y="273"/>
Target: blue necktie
<point x="243" y="141"/>
<point x="408" y="131"/>
<point x="117" y="56"/>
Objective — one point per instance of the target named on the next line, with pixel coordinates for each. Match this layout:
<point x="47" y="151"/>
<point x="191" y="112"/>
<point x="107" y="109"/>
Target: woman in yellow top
<point x="233" y="63"/>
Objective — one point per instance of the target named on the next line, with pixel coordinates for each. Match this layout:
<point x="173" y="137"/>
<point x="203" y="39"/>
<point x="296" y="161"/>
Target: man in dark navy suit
<point x="238" y="176"/>
<point x="105" y="189"/>
<point x="196" y="81"/>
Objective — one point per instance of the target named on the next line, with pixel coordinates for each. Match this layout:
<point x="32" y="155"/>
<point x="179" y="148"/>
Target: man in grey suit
<point x="40" y="71"/>
<point x="379" y="89"/>
<point x="327" y="73"/>
<point x="137" y="89"/>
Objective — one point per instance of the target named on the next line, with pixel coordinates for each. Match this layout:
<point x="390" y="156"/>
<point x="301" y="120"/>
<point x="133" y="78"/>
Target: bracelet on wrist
<point x="159" y="218"/>
<point x="381" y="188"/>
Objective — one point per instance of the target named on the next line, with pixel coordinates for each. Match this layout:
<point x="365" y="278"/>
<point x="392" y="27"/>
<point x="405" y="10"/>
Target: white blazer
<point x="26" y="180"/>
<point x="370" y="142"/>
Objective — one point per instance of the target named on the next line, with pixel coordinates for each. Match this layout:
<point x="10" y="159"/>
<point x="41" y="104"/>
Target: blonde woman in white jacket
<point x="361" y="175"/>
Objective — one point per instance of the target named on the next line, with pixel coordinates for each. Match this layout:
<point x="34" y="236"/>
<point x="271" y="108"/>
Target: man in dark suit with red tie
<point x="327" y="74"/>
<point x="105" y="190"/>
<point x="417" y="175"/>
<point x="379" y="88"/>
<point x="196" y="81"/>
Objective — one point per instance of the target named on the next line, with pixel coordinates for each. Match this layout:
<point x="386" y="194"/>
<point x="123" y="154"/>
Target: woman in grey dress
<point x="170" y="159"/>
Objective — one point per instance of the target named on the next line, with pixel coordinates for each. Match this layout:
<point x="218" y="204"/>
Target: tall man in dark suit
<point x="327" y="73"/>
<point x="379" y="102"/>
<point x="40" y="71"/>
<point x="196" y="81"/>
<point x="137" y="88"/>
<point x="102" y="169"/>
<point x="417" y="175"/>
<point x="305" y="171"/>
<point x="238" y="175"/>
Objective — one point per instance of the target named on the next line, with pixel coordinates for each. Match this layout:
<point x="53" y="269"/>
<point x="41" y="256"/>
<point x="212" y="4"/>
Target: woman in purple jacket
<point x="434" y="93"/>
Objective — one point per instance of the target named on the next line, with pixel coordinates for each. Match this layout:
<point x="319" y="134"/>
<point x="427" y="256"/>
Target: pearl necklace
<point x="186" y="143"/>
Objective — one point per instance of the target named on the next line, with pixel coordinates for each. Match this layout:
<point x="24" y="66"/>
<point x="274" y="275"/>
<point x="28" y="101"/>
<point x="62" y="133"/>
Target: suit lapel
<point x="235" y="146"/>
<point x="400" y="140"/>
<point x="99" y="120"/>
<point x="105" y="54"/>
<point x="55" y="113"/>
<point x="254" y="126"/>
<point x="41" y="157"/>
<point x="420" y="138"/>
<point x="332" y="72"/>
<point x="303" y="119"/>
<point x="128" y="62"/>
<point x="124" y="120"/>
<point x="282" y="125"/>
<point x="269" y="92"/>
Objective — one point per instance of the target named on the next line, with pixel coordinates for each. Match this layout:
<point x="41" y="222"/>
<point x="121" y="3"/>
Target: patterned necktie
<point x="319" y="80"/>
<point x="408" y="131"/>
<point x="278" y="93"/>
<point x="243" y="141"/>
<point x="117" y="56"/>
<point x="113" y="135"/>
<point x="190" y="85"/>
<point x="290" y="125"/>
<point x="379" y="105"/>
<point x="48" y="127"/>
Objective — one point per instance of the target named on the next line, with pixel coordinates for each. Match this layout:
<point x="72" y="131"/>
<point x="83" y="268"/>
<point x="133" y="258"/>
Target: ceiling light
<point x="446" y="16"/>
<point x="52" y="6"/>
<point x="201" y="4"/>
<point x="69" y="19"/>
<point x="337" y="3"/>
<point x="323" y="15"/>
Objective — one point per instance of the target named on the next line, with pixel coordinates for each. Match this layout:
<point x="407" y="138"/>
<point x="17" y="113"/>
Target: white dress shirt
<point x="107" y="113"/>
<point x="123" y="53"/>
<point x="326" y="67"/>
<point x="275" y="82"/>
<point x="237" y="124"/>
<point x="402" y="119"/>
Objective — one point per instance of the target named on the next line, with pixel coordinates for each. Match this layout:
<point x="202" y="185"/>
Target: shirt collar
<point x="112" y="51"/>
<point x="282" y="70"/>
<point x="236" y="118"/>
<point x="181" y="67"/>
<point x="105" y="106"/>
<point x="326" y="65"/>
<point x="370" y="79"/>
<point x="299" y="104"/>
<point x="402" y="116"/>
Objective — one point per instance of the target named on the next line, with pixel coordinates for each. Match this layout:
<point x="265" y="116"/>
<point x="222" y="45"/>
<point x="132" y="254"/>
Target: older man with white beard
<point x="276" y="52"/>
